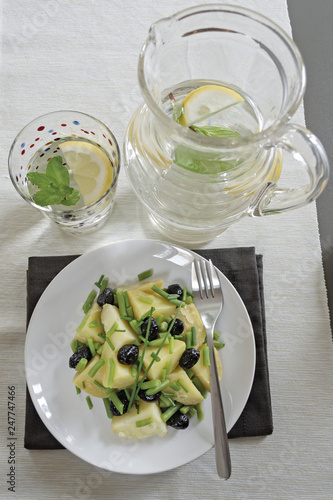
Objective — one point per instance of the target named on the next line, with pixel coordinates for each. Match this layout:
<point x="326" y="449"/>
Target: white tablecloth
<point x="82" y="55"/>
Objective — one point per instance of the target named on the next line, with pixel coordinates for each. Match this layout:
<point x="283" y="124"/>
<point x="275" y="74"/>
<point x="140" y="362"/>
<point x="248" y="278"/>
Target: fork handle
<point x="222" y="452"/>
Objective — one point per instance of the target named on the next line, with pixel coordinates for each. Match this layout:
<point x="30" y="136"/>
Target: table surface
<point x="60" y="55"/>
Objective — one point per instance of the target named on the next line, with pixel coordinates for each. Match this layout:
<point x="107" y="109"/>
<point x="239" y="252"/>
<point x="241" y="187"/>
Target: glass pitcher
<point x="221" y="84"/>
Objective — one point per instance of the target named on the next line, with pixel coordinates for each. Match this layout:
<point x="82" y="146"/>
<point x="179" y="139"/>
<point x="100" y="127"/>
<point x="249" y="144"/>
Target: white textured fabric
<point x="58" y="54"/>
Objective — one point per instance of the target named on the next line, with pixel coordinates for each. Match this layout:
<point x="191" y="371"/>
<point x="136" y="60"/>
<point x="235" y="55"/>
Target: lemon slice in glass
<point x="205" y="101"/>
<point x="90" y="167"/>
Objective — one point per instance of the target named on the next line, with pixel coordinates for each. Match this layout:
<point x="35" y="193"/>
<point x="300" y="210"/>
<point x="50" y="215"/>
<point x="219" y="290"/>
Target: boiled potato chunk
<point x="110" y="315"/>
<point x="191" y="317"/>
<point x="91" y="333"/>
<point x="193" y="396"/>
<point x="156" y="369"/>
<point x="90" y="387"/>
<point x="202" y="371"/>
<point x="122" y="374"/>
<point x="161" y="305"/>
<point x="125" y="425"/>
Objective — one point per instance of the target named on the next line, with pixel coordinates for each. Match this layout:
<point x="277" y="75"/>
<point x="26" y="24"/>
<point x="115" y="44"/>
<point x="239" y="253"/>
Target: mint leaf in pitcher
<point x="54" y="188"/>
<point x="212" y="131"/>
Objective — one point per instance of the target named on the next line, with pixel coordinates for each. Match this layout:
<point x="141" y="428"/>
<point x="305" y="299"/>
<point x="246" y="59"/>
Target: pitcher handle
<point x="307" y="149"/>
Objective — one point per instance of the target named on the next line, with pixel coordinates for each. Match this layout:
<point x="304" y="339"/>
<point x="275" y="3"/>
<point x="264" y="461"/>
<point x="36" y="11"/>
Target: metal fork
<point x="206" y="287"/>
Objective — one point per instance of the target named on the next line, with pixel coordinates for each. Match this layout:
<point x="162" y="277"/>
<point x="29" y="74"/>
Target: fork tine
<point x="196" y="282"/>
<point x="210" y="270"/>
<point x="204" y="277"/>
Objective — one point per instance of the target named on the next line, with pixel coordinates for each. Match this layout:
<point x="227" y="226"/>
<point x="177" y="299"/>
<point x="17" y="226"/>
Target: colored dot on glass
<point x="23" y="144"/>
<point x="104" y="136"/>
<point x="37" y="139"/>
<point x="40" y="128"/>
<point x="23" y="151"/>
<point x="76" y="122"/>
<point x="110" y="142"/>
<point x="48" y="149"/>
<point x="31" y="145"/>
<point x="16" y="178"/>
<point x="20" y="176"/>
<point x="54" y="133"/>
<point x="50" y="131"/>
<point x="63" y="125"/>
<point x="57" y="139"/>
<point x="93" y="133"/>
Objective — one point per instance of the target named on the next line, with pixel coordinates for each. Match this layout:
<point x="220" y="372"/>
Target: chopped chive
<point x="161" y="387"/>
<point x="97" y="345"/>
<point x="177" y="302"/>
<point x="121" y="303"/>
<point x="155" y="357"/>
<point x="194" y="335"/>
<point x="145" y="274"/>
<point x="135" y="326"/>
<point x="92" y="372"/>
<point x="206" y="356"/>
<point x="159" y="319"/>
<point x="89" y="301"/>
<point x="188" y="340"/>
<point x="161" y="292"/>
<point x="91" y="347"/>
<point x="110" y="343"/>
<point x="94" y="323"/>
<point x="218" y="345"/>
<point x="191" y="412"/>
<point x="134" y="370"/>
<point x="173" y="296"/>
<point x="116" y="401"/>
<point x="78" y="390"/>
<point x="184" y="293"/>
<point x="89" y="403"/>
<point x="171" y="340"/>
<point x="127" y="318"/>
<point x="190" y="372"/>
<point x="83" y="384"/>
<point x="83" y="322"/>
<point x="74" y="345"/>
<point x="178" y="337"/>
<point x="199" y="386"/>
<point x="129" y="311"/>
<point x="200" y="412"/>
<point x="127" y="303"/>
<point x="102" y="336"/>
<point x="166" y="400"/>
<point x="112" y="329"/>
<point x="81" y="365"/>
<point x="148" y="384"/>
<point x="115" y="300"/>
<point x="170" y="411"/>
<point x="158" y="342"/>
<point x="146" y="300"/>
<point x="128" y="395"/>
<point x="111" y="372"/>
<point x="168" y="366"/>
<point x="184" y="409"/>
<point x="182" y="386"/>
<point x="104" y="285"/>
<point x="164" y="326"/>
<point x="216" y="335"/>
<point x="163" y="375"/>
<point x="168" y="319"/>
<point x="188" y="299"/>
<point x="106" y="402"/>
<point x="174" y="386"/>
<point x="99" y="282"/>
<point x="99" y="385"/>
<point x="100" y="350"/>
<point x="145" y="421"/>
<point x="137" y="407"/>
<point x="170" y="394"/>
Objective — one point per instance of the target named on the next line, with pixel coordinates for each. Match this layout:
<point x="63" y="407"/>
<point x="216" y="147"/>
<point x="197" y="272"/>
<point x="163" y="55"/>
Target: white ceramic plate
<point x="87" y="433"/>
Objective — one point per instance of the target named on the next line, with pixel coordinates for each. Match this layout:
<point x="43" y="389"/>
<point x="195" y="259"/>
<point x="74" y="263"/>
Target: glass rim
<point x="230" y="142"/>
<point x="48" y="208"/>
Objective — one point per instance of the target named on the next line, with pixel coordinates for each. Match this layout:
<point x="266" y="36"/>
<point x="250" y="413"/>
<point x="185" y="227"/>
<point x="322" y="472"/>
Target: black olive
<point x="178" y="421"/>
<point x="175" y="289"/>
<point x="128" y="354"/>
<point x="82" y="352"/>
<point x="123" y="398"/>
<point x="177" y="327"/>
<point x="149" y="399"/>
<point x="105" y="297"/>
<point x="153" y="331"/>
<point x="189" y="358"/>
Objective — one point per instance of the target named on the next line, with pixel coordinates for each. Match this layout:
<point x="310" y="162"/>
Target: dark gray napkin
<point x="244" y="269"/>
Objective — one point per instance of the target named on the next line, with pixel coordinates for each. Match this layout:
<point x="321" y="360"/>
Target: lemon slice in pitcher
<point x="206" y="101"/>
<point x="90" y="167"/>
